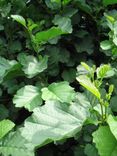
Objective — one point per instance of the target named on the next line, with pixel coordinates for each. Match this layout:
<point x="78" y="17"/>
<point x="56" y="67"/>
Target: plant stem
<point x="102" y="112"/>
<point x="105" y="112"/>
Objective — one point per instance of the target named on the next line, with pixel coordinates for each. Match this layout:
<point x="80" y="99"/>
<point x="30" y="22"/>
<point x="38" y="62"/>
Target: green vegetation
<point x="58" y="78"/>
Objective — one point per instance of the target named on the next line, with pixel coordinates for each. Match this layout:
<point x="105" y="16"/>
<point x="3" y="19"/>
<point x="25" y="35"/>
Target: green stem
<point x="105" y="112"/>
<point x="102" y="112"/>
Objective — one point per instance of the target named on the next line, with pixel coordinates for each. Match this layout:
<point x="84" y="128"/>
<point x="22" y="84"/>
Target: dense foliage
<point x="58" y="77"/>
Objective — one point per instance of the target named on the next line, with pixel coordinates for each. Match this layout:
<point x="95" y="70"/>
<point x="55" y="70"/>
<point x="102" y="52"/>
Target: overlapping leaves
<point x="55" y="121"/>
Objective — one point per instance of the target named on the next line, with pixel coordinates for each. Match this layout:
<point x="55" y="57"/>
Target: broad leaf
<point x="31" y="66"/>
<point x="7" y="66"/>
<point x="59" y="91"/>
<point x="44" y="36"/>
<point x="112" y="122"/>
<point x="85" y="45"/>
<point x="105" y="141"/>
<point x="106" y="45"/>
<point x="109" y="2"/>
<point x="15" y="145"/>
<point x="69" y="75"/>
<point x="81" y="4"/>
<point x="90" y="150"/>
<point x="64" y="23"/>
<point x="55" y="121"/>
<point x="85" y="82"/>
<point x="19" y="19"/>
<point x="5" y="127"/>
<point x="28" y="97"/>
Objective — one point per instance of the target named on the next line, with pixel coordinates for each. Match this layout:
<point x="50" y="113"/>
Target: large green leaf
<point x="15" y="145"/>
<point x="46" y="35"/>
<point x="5" y="127"/>
<point x="112" y="121"/>
<point x="55" y="121"/>
<point x="105" y="141"/>
<point x="64" y="23"/>
<point x="85" y="82"/>
<point x="61" y="91"/>
<point x="28" y="97"/>
<point x="31" y="66"/>
<point x="109" y="2"/>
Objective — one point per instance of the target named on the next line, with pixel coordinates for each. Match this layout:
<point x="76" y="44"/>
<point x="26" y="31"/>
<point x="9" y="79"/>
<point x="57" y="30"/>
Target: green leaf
<point x="46" y="35"/>
<point x="53" y="4"/>
<point x="105" y="141"/>
<point x="15" y="145"/>
<point x="86" y="66"/>
<point x="19" y="19"/>
<point x="85" y="45"/>
<point x="5" y="127"/>
<point x="58" y="91"/>
<point x="78" y="151"/>
<point x="90" y="150"/>
<point x="113" y="103"/>
<point x="4" y="113"/>
<point x="55" y="121"/>
<point x="106" y="45"/>
<point x="112" y="122"/>
<point x="28" y="97"/>
<point x="6" y="67"/>
<point x="64" y="23"/>
<point x="31" y="66"/>
<point x="104" y="71"/>
<point x="109" y="2"/>
<point x="81" y="4"/>
<point x="69" y="75"/>
<point x="86" y="82"/>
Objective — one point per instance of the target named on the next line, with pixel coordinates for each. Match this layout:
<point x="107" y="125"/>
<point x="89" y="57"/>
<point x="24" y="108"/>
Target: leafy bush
<point x="58" y="78"/>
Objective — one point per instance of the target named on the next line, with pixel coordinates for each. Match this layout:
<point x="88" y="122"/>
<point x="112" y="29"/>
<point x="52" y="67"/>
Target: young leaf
<point x="105" y="141"/>
<point x="28" y="97"/>
<point x="15" y="145"/>
<point x="58" y="91"/>
<point x="86" y="66"/>
<point x="104" y="71"/>
<point x="55" y="121"/>
<point x="85" y="82"/>
<point x="19" y="19"/>
<point x="5" y="127"/>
